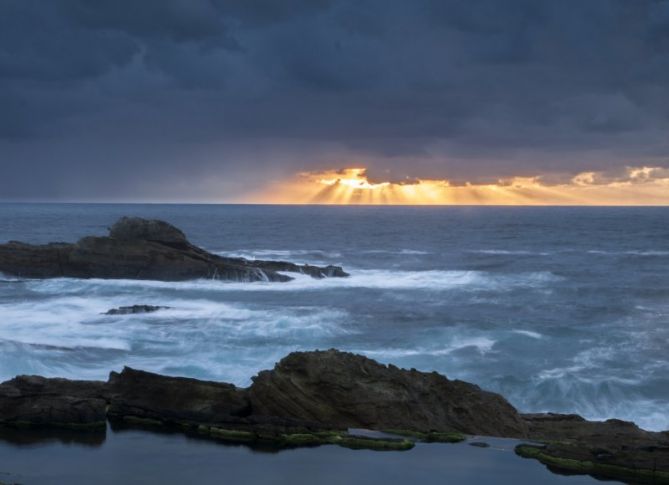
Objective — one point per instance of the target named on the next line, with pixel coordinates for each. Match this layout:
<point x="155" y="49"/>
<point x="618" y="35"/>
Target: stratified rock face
<point x="348" y="390"/>
<point x="142" y="249"/>
<point x="174" y="399"/>
<point x="58" y="403"/>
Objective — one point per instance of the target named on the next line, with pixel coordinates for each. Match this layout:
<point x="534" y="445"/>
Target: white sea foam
<point x="482" y="344"/>
<point x="630" y="253"/>
<point x="571" y="391"/>
<point x="71" y="322"/>
<point x="434" y="280"/>
<point x="505" y="252"/>
<point x="7" y="278"/>
<point x="528" y="333"/>
<point x="395" y="251"/>
<point x="282" y="254"/>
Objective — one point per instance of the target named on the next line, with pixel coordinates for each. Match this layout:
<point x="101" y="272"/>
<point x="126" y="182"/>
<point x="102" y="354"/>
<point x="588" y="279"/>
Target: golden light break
<point x="636" y="186"/>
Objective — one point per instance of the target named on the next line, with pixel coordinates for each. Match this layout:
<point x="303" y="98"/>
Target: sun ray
<point x="640" y="186"/>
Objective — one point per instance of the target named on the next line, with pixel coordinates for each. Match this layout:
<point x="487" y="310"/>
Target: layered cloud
<point x="198" y="99"/>
<point x="633" y="186"/>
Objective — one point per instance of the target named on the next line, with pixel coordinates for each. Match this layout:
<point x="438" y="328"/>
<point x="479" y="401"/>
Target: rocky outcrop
<point x="145" y="395"/>
<point x="138" y="229"/>
<point x="53" y="403"/>
<point x="352" y="391"/>
<point x="608" y="449"/>
<point x="315" y="391"/>
<point x="133" y="309"/>
<point x="312" y="398"/>
<point x="142" y="249"/>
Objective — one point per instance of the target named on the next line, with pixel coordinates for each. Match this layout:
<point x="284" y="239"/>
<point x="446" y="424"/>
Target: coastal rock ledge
<point x="313" y="398"/>
<point x="143" y="249"/>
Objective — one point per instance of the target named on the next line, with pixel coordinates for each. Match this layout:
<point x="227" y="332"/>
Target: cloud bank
<point x="207" y="100"/>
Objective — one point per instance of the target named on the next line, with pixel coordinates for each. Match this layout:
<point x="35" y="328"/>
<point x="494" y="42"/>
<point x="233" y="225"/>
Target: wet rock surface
<point x="315" y="391"/>
<point x="313" y="398"/>
<point x="133" y="309"/>
<point x="352" y="391"/>
<point x="175" y="399"/>
<point x="608" y="449"/>
<point x="53" y="403"/>
<point x="142" y="249"/>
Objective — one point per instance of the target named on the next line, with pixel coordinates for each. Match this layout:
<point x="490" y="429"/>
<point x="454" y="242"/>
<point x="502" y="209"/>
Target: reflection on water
<point x="125" y="456"/>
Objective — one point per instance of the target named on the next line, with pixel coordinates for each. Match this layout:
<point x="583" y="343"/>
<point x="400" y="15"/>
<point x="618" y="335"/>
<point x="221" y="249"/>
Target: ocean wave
<point x="505" y="252"/>
<point x="5" y="278"/>
<point x="415" y="252"/>
<point x="279" y="254"/>
<point x="71" y="322"/>
<point x="435" y="280"/>
<point x="482" y="344"/>
<point x="595" y="399"/>
<point x="629" y="253"/>
<point x="528" y="333"/>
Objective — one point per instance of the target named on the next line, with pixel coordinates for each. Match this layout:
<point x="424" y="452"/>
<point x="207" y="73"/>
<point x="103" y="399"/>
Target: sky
<point x="335" y="101"/>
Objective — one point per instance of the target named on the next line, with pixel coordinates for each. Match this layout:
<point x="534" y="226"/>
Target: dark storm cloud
<point x="194" y="98"/>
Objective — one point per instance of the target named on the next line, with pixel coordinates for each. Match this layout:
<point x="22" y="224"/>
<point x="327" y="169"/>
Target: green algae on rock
<point x="592" y="467"/>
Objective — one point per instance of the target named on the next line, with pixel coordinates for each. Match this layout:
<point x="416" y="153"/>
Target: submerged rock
<point x="142" y="249"/>
<point x="129" y="310"/>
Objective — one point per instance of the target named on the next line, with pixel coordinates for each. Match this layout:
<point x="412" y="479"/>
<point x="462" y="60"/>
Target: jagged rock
<point x="311" y="398"/>
<point x="130" y="310"/>
<point x="146" y="395"/>
<point x="138" y="229"/>
<point x="34" y="401"/>
<point x="142" y="249"/>
<point x="613" y="448"/>
<point x="348" y="390"/>
<point x="316" y="390"/>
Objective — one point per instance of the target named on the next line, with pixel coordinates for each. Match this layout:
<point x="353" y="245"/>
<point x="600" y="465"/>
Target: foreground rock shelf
<point x="314" y="398"/>
<point x="143" y="249"/>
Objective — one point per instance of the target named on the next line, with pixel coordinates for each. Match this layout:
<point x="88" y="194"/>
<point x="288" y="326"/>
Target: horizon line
<point x="79" y="202"/>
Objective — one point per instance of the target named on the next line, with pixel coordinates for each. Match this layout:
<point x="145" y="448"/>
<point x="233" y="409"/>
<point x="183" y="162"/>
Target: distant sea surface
<point x="558" y="309"/>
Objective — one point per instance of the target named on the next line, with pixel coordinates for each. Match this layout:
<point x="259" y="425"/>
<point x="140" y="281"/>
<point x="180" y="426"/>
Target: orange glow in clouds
<point x="635" y="186"/>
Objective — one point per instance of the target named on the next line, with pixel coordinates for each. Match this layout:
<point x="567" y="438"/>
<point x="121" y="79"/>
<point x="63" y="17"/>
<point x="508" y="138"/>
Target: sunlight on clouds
<point x="634" y="186"/>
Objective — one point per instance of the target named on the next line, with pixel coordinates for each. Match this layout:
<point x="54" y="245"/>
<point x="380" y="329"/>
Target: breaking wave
<point x="434" y="280"/>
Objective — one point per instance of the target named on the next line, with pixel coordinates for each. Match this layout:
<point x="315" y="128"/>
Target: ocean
<point x="558" y="309"/>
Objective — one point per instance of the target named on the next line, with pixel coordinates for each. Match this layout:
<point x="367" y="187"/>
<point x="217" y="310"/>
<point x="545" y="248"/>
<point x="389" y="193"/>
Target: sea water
<point x="138" y="457"/>
<point x="558" y="309"/>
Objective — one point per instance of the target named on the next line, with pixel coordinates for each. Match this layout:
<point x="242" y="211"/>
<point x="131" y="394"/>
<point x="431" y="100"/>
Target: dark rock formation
<point x="312" y="398"/>
<point x="55" y="403"/>
<point x="138" y="229"/>
<point x="142" y="249"/>
<point x="314" y="391"/>
<point x="352" y="391"/>
<point x="130" y="310"/>
<point x="174" y="399"/>
<point x="610" y="449"/>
